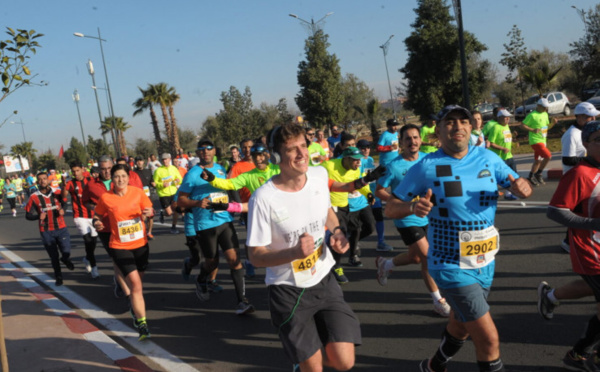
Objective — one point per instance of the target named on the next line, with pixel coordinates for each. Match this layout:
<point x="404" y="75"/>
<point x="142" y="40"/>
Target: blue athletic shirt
<point x="356" y="200"/>
<point x="387" y="139"/>
<point x="200" y="189"/>
<point x="465" y="194"/>
<point x="366" y="165"/>
<point x="394" y="174"/>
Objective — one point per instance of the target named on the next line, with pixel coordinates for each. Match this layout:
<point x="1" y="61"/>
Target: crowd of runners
<point x="307" y="201"/>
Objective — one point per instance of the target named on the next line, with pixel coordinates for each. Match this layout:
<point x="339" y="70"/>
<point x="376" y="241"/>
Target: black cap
<point x="451" y="108"/>
<point x="205" y="141"/>
<point x="138" y="157"/>
<point x="363" y="143"/>
<point x="391" y="122"/>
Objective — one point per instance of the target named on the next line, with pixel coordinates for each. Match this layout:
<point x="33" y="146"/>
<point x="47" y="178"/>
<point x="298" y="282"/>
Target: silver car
<point x="559" y="104"/>
<point x="595" y="100"/>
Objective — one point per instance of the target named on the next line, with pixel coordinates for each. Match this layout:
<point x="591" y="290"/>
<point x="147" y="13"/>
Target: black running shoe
<point x="68" y="263"/>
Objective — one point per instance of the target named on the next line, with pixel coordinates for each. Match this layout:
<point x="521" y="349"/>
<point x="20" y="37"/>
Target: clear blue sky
<point x="203" y="47"/>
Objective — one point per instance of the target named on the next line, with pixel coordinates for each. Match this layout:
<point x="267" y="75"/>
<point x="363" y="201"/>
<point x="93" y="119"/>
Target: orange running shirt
<point x="127" y="228"/>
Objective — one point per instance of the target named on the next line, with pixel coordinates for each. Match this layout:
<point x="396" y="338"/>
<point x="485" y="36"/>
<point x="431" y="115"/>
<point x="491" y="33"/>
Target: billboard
<point x="12" y="164"/>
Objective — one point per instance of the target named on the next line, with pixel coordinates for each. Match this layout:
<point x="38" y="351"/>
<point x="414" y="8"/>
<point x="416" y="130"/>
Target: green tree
<point x="162" y="94"/>
<point x="235" y="120"/>
<point x="46" y="161"/>
<point x="75" y="152"/>
<point x="14" y="60"/>
<point x="586" y="50"/>
<point x="432" y="70"/>
<point x="97" y="148"/>
<point x="144" y="148"/>
<point x="145" y="103"/>
<point x="542" y="73"/>
<point x="188" y="139"/>
<point x="357" y="96"/>
<point x="320" y="98"/>
<point x="23" y="150"/>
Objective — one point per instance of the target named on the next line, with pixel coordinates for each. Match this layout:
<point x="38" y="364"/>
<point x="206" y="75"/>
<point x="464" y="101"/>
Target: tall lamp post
<point x="581" y="13"/>
<point x="22" y="128"/>
<point x="76" y="100"/>
<point x="385" y="47"/>
<point x="312" y="26"/>
<point x="110" y="107"/>
<point x="90" y="68"/>
<point x="463" y="57"/>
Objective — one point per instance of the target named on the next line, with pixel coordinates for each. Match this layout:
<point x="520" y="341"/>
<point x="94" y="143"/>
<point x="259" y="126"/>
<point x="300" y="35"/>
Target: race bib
<point x="545" y="132"/>
<point x="478" y="248"/>
<point x="10" y="194"/>
<point x="507" y="136"/>
<point x="130" y="230"/>
<point x="147" y="191"/>
<point x="305" y="268"/>
<point x="219" y="197"/>
<point x="168" y="179"/>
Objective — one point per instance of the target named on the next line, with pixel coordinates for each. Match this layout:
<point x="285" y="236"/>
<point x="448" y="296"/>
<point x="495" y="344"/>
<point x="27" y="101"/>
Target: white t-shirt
<point x="277" y="218"/>
<point x="154" y="165"/>
<point x="572" y="146"/>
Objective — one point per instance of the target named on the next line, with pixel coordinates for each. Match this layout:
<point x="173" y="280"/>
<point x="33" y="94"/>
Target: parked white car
<point x="559" y="104"/>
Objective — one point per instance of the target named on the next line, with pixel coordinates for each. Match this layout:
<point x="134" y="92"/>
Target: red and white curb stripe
<point x="122" y="358"/>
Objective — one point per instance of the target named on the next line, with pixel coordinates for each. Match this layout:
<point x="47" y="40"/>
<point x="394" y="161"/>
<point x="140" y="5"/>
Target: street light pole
<point x="110" y="107"/>
<point x="385" y="47"/>
<point x="90" y="67"/>
<point x="76" y="100"/>
<point x="22" y="128"/>
<point x="312" y="26"/>
<point x="463" y="57"/>
<point x="581" y="13"/>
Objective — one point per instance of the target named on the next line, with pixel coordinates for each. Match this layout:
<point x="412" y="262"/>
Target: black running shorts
<point x="309" y="318"/>
<point x="223" y="235"/>
<point x="128" y="260"/>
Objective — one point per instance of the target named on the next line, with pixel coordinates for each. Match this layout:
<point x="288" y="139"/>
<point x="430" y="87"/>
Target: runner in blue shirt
<point x="388" y="143"/>
<point x="367" y="164"/>
<point x="412" y="229"/>
<point x="458" y="190"/>
<point x="213" y="228"/>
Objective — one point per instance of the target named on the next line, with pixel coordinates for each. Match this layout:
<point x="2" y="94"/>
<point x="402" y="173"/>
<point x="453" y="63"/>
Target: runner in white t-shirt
<point x="286" y="234"/>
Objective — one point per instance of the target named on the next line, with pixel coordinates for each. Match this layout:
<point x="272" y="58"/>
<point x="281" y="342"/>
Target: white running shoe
<point x="442" y="308"/>
<point x="86" y="264"/>
<point x="382" y="274"/>
<point x="95" y="273"/>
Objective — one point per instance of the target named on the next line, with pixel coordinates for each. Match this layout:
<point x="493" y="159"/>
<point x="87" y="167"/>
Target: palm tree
<point x="540" y="76"/>
<point x="117" y="126"/>
<point x="145" y="103"/>
<point x="23" y="149"/>
<point x="172" y="100"/>
<point x="370" y="114"/>
<point x="108" y="127"/>
<point x="159" y="95"/>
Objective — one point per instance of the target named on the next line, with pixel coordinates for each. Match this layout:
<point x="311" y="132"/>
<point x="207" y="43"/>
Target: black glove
<point x="370" y="177"/>
<point x="207" y="175"/>
<point x="217" y="206"/>
<point x="375" y="174"/>
<point x="370" y="198"/>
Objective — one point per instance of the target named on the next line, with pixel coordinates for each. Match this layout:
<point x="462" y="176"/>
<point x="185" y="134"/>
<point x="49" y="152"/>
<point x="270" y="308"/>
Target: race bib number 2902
<point x="478" y="248"/>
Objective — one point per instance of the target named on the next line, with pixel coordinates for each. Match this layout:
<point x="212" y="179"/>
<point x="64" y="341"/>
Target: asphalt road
<point x="398" y="325"/>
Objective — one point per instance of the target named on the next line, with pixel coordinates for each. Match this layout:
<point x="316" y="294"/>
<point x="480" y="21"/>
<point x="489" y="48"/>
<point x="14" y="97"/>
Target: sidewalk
<point x="40" y="337"/>
<point x="553" y="171"/>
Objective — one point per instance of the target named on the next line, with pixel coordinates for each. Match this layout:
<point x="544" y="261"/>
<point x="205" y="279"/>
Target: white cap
<point x="586" y="108"/>
<point x="503" y="112"/>
<point x="543" y="102"/>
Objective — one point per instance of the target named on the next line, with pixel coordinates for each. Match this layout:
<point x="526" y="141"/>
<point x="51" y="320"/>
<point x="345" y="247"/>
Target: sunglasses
<point x="311" y="133"/>
<point x="205" y="148"/>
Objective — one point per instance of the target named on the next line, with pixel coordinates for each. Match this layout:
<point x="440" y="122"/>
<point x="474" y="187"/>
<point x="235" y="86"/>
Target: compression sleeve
<point x="571" y="160"/>
<point x="381" y="148"/>
<point x="223" y="184"/>
<point x="569" y="219"/>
